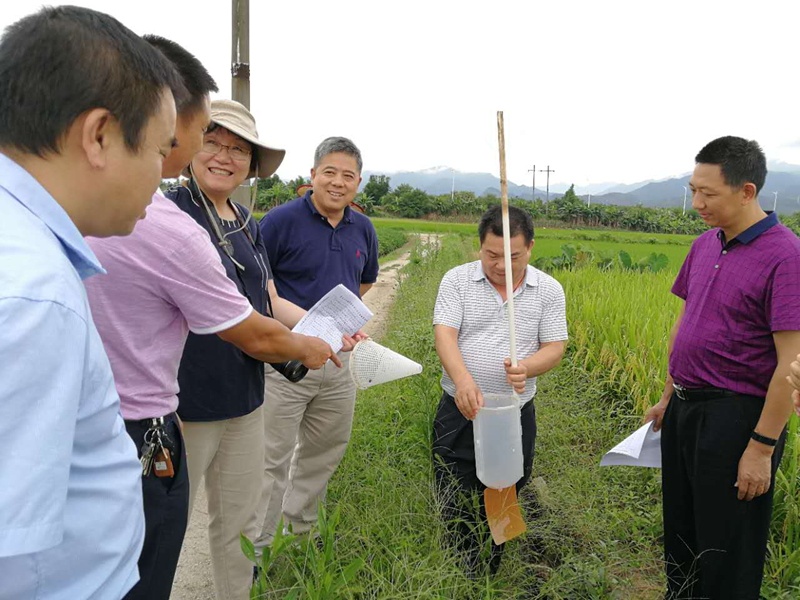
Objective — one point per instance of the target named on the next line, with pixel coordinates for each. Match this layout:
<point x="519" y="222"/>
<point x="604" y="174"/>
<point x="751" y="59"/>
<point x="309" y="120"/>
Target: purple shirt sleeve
<point x="783" y="304"/>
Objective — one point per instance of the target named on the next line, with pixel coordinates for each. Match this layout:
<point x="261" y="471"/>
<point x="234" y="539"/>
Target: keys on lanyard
<point x="155" y="451"/>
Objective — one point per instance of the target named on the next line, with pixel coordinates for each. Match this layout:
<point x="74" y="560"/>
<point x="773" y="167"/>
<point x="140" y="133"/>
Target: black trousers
<point x="714" y="543"/>
<point x="458" y="489"/>
<point x="166" y="513"/>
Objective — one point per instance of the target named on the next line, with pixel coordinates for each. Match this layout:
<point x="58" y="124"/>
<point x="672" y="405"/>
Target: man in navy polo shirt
<point x="727" y="399"/>
<point x="314" y="243"/>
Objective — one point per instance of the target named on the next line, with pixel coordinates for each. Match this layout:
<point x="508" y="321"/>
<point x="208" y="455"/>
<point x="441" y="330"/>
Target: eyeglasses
<point x="235" y="152"/>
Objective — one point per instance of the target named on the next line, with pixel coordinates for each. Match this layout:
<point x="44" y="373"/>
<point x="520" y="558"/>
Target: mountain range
<point x="782" y="178"/>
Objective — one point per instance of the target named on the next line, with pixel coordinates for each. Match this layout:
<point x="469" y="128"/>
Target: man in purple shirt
<point x="727" y="398"/>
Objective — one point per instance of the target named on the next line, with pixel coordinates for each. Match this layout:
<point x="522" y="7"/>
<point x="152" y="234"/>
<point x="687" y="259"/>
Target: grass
<point x="594" y="533"/>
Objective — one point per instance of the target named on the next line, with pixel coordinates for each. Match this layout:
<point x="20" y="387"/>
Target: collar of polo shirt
<point x="531" y="275"/>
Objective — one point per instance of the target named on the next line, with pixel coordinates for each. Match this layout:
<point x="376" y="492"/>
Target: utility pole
<point x="548" y="170"/>
<point x="589" y="201"/>
<point x="240" y="77"/>
<point x="533" y="185"/>
<point x="240" y="52"/>
<point x="453" y="189"/>
<point x="775" y="204"/>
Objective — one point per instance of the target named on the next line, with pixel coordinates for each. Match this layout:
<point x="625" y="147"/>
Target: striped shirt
<point x="469" y="303"/>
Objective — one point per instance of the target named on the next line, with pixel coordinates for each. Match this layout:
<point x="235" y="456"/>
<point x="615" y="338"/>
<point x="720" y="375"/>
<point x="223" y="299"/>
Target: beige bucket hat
<point x="234" y="117"/>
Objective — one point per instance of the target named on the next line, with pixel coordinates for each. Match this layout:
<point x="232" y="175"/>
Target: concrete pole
<point x="240" y="51"/>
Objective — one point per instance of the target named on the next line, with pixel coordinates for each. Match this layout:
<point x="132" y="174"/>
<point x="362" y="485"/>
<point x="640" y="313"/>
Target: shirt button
<point x="724" y="251"/>
<point x="716" y="266"/>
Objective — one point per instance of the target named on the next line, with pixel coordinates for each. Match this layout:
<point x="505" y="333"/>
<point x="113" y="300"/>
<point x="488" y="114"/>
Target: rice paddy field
<point x="593" y="533"/>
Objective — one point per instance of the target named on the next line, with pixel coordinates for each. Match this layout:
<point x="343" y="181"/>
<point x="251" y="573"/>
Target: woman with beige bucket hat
<point x="222" y="388"/>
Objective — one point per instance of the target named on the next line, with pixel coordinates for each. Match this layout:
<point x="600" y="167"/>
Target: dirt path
<point x="193" y="580"/>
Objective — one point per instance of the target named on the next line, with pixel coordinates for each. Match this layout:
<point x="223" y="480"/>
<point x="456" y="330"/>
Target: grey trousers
<point x="307" y="427"/>
<point x="228" y="454"/>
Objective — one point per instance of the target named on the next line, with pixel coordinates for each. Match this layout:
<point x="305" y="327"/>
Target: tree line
<point x="405" y="201"/>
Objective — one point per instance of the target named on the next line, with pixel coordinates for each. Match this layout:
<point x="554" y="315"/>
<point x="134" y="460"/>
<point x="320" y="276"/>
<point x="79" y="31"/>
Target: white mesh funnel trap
<point x="371" y="364"/>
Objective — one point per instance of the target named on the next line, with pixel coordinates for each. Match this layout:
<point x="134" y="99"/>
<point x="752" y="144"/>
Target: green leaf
<point x="248" y="548"/>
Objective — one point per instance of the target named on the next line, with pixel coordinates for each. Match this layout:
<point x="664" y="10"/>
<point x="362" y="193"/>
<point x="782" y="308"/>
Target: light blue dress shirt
<point x="71" y="518"/>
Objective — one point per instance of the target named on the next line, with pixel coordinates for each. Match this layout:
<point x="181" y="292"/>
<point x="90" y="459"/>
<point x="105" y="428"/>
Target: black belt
<point x="695" y="394"/>
<point x="153" y="421"/>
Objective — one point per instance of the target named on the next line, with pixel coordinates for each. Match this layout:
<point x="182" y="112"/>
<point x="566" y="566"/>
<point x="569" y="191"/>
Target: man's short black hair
<point x="62" y="61"/>
<point x="196" y="79"/>
<point x="519" y="222"/>
<point x="741" y="161"/>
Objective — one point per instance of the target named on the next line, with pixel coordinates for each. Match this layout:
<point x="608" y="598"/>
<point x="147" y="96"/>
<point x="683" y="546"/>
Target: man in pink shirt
<point x="163" y="281"/>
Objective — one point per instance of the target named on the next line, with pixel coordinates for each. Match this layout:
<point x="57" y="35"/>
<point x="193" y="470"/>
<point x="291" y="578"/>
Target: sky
<point x="613" y="91"/>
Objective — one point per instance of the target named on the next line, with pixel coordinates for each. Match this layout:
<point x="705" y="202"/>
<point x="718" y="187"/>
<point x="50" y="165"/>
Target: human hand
<point x="318" y="352"/>
<point x="656" y="414"/>
<point x="755" y="471"/>
<point x="794" y="373"/>
<point x="516" y="376"/>
<point x="469" y="398"/>
<point x="349" y="341"/>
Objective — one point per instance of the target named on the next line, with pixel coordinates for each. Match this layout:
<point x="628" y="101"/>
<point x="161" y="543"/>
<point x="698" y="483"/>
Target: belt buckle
<point x="680" y="391"/>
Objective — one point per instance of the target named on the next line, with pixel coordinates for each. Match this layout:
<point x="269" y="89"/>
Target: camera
<point x="293" y="370"/>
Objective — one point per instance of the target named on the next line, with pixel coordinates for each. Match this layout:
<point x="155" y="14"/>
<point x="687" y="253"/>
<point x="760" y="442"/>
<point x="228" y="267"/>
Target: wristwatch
<point x="768" y="441"/>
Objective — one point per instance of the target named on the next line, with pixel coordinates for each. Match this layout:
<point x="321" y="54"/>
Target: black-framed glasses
<point x="235" y="152"/>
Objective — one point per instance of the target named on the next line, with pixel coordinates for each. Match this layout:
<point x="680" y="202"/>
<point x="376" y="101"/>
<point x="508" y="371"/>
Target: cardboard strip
<point x="503" y="514"/>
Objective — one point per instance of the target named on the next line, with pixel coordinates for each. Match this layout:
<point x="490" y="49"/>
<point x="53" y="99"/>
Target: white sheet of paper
<point x="337" y="313"/>
<point x="640" y="449"/>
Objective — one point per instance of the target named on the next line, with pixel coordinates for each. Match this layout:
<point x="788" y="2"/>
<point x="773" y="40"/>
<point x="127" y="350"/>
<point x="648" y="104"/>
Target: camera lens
<point x="293" y="370"/>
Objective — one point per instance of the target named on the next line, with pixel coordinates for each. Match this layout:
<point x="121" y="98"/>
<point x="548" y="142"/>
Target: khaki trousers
<point x="307" y="426"/>
<point x="230" y="455"/>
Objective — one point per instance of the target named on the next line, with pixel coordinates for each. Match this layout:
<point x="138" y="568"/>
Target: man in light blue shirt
<point x="87" y="114"/>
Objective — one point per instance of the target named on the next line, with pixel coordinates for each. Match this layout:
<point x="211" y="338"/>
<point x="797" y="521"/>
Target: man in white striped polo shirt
<point x="472" y="339"/>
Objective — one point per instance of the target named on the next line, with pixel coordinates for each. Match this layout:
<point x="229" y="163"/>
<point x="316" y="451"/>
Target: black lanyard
<point x="215" y="224"/>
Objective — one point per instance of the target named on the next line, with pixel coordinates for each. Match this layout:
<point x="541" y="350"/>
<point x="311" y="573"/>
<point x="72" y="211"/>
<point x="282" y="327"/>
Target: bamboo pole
<point x="501" y="141"/>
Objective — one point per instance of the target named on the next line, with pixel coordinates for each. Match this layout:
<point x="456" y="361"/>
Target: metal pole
<point x="775" y="204"/>
<point x="533" y="185"/>
<point x="240" y="52"/>
<point x="685" y="191"/>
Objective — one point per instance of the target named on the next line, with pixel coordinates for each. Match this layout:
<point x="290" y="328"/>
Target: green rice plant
<point x="619" y="324"/>
<point x="782" y="572"/>
<point x="390" y="239"/>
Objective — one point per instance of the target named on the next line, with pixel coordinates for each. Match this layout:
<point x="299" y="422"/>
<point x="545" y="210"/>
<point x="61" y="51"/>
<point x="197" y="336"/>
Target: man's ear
<point x="749" y="192"/>
<point x="97" y="130"/>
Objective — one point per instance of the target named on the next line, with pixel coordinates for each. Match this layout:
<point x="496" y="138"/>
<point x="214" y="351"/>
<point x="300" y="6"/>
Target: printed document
<point x="339" y="312"/>
<point x="640" y="449"/>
